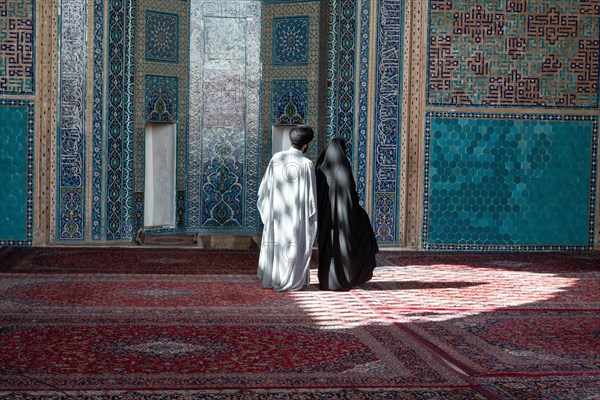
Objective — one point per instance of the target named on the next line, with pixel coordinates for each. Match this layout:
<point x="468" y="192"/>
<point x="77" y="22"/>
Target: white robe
<point x="288" y="209"/>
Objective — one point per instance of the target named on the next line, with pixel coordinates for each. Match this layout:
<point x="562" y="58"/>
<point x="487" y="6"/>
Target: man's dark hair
<point x="301" y="135"/>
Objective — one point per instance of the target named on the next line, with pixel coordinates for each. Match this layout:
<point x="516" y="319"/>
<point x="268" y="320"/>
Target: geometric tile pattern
<point x="290" y="40"/>
<point x="161" y="98"/>
<point x="71" y="142"/>
<point x="526" y="53"/>
<point x="162" y="37"/>
<point x="509" y="181"/>
<point x="17" y="46"/>
<point x="16" y="172"/>
<point x="290" y="101"/>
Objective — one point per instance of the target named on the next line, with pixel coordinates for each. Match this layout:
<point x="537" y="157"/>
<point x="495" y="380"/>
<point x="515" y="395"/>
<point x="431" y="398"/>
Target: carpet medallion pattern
<point x="95" y="324"/>
<point x="193" y="331"/>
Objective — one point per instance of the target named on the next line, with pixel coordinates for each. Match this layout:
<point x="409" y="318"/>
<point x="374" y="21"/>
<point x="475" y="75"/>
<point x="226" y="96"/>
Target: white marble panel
<point x="159" y="184"/>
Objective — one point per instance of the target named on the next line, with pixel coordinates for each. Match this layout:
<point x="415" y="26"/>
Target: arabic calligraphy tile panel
<point x="72" y="121"/>
<point x="17" y="41"/>
<point x="530" y="53"/>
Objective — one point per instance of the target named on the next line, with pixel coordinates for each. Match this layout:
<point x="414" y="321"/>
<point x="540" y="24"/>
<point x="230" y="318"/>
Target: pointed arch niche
<point x="225" y="75"/>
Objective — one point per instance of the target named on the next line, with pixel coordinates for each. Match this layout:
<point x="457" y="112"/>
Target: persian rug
<point x="427" y="326"/>
<point x="126" y="260"/>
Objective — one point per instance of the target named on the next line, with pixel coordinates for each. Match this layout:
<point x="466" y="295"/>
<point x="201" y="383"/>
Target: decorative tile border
<point x="119" y="192"/>
<point x="72" y="121"/>
<point x="332" y="67"/>
<point x="98" y="133"/>
<point x="361" y="144"/>
<point x="511" y="165"/>
<point x="386" y="150"/>
<point x="345" y="73"/>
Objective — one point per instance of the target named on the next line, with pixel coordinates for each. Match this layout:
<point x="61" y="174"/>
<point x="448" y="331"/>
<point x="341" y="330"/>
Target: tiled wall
<point x="365" y="68"/>
<point x="509" y="181"/>
<point x="17" y="112"/>
<point x="484" y="138"/>
<point x="161" y="75"/>
<point x="292" y="74"/>
<point x="16" y="172"/>
<point x="525" y="178"/>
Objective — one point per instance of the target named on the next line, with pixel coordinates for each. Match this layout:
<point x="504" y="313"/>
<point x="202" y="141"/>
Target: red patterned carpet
<point x="189" y="324"/>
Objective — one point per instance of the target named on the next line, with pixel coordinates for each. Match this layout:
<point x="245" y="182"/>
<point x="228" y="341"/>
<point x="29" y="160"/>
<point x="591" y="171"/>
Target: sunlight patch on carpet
<point x="415" y="293"/>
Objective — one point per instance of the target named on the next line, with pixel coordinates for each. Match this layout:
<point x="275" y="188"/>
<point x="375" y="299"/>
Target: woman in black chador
<point x="347" y="244"/>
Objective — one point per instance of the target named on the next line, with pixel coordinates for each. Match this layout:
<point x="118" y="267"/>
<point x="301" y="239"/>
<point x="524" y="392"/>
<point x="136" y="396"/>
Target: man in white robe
<point x="288" y="209"/>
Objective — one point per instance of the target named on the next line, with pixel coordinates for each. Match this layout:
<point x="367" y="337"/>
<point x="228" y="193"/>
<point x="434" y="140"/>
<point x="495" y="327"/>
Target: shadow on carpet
<point x="427" y="326"/>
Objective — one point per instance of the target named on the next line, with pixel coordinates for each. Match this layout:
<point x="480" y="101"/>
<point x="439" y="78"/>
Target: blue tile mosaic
<point x="118" y="185"/>
<point x="162" y="37"/>
<point x="290" y="101"/>
<point x="98" y="120"/>
<point x="388" y="109"/>
<point x="161" y="98"/>
<point x="290" y="40"/>
<point x="509" y="181"/>
<point x="223" y="205"/>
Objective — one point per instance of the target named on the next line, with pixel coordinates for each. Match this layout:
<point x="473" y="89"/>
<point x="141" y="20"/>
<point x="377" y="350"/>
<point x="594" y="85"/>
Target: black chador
<point x="347" y="244"/>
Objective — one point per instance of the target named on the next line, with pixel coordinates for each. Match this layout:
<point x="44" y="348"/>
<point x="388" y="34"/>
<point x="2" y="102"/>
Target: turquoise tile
<point x="13" y="172"/>
<point x="503" y="181"/>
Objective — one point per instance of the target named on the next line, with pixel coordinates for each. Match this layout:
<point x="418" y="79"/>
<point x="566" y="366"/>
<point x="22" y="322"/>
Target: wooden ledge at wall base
<point x="226" y="241"/>
<point x="222" y="241"/>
